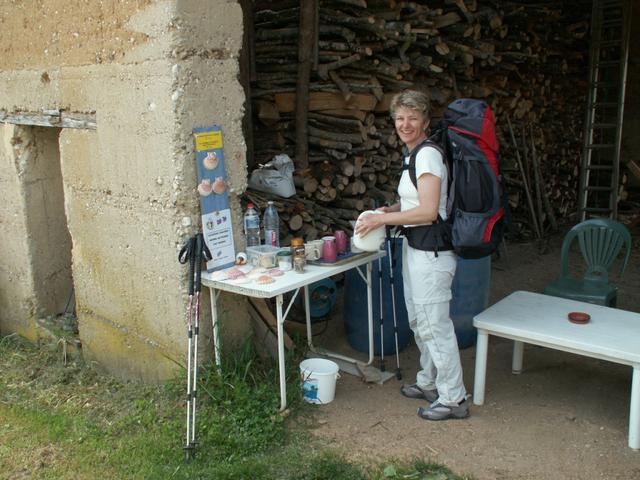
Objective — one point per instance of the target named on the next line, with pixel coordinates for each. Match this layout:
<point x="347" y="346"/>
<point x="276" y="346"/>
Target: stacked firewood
<point x="532" y="73"/>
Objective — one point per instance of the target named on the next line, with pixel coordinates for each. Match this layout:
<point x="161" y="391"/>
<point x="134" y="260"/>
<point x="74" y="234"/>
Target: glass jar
<point x="284" y="260"/>
<point x="298" y="254"/>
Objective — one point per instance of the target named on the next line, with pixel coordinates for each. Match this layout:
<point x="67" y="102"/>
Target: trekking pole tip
<point x="189" y="451"/>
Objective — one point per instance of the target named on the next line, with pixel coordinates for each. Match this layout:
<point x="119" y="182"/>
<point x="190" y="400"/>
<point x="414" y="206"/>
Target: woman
<point x="427" y="275"/>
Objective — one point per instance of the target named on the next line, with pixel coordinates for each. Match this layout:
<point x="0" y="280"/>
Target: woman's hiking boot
<point x="438" y="411"/>
<point x="414" y="391"/>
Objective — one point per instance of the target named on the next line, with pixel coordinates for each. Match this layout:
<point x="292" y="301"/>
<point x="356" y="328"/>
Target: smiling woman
<point x="411" y="120"/>
<point x="429" y="266"/>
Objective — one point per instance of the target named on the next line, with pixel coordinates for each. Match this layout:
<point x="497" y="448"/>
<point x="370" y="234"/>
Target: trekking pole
<point x="201" y="252"/>
<point x="196" y="327"/>
<point x="382" y="367"/>
<point x="393" y="301"/>
<point x="187" y="254"/>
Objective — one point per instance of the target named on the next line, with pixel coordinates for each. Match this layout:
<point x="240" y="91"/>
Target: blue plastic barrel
<point x="355" y="307"/>
<point x="470" y="296"/>
<point x="322" y="298"/>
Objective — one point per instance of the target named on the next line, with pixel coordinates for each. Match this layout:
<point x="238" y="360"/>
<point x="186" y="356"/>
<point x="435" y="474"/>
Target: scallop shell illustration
<point x="210" y="162"/>
<point x="204" y="188"/>
<point x="218" y="185"/>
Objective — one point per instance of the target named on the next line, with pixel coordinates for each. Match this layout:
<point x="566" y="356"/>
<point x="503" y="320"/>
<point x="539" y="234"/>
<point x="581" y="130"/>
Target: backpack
<point x="476" y="203"/>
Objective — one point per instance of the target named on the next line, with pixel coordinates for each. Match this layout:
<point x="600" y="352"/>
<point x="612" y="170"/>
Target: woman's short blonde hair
<point x="413" y="99"/>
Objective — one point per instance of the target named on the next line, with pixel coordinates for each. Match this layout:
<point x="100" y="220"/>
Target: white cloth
<point x="428" y="160"/>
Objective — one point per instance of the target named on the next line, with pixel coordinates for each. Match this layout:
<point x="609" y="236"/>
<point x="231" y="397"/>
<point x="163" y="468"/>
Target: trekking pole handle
<point x="192" y="262"/>
<point x="187" y="255"/>
<point x="198" y="260"/>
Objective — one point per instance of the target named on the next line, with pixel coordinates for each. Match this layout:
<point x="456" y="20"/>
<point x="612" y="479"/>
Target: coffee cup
<point x="312" y="252"/>
<point x="317" y="244"/>
<point x="329" y="249"/>
<point x="342" y="241"/>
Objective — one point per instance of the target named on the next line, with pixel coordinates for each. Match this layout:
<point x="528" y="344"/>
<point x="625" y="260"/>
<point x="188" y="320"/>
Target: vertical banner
<point x="214" y="198"/>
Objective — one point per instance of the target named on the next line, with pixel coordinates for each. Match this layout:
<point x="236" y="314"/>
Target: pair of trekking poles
<point x="193" y="252"/>
<point x="391" y="256"/>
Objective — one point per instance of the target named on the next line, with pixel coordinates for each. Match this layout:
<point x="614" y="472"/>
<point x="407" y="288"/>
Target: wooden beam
<point x="306" y="41"/>
<point x="260" y="306"/>
<point x="326" y="101"/>
<point x="51" y="118"/>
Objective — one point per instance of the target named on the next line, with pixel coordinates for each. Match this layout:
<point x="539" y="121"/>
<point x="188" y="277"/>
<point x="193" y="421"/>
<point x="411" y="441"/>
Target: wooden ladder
<point x="600" y="163"/>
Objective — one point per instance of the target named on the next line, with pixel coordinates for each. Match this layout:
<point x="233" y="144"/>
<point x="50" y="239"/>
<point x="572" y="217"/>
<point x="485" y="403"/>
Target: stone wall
<point x="150" y="72"/>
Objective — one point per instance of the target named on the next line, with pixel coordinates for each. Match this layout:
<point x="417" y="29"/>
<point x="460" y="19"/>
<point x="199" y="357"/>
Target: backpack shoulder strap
<point x="411" y="166"/>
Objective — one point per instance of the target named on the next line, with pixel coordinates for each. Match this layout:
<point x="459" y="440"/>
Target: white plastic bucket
<point x="318" y="377"/>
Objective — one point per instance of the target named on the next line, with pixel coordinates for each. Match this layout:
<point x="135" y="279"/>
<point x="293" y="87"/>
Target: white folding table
<point x="525" y="317"/>
<point x="293" y="281"/>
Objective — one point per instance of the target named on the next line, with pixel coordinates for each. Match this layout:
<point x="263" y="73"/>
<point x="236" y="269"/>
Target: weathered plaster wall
<point x="16" y="299"/>
<point x="151" y="71"/>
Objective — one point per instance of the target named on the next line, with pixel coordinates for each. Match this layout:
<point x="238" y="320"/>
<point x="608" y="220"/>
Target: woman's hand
<point x="368" y="223"/>
<point x="389" y="208"/>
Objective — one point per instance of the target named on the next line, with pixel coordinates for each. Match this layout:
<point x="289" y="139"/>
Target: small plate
<point x="579" y="317"/>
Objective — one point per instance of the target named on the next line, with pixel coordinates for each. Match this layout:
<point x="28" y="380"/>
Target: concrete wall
<point x="151" y="71"/>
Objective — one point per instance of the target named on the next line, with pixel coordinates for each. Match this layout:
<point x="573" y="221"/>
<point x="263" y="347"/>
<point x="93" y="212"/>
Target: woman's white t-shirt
<point x="428" y="160"/>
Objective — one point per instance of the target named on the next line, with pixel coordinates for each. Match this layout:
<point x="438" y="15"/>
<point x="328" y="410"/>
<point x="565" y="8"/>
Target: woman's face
<point x="410" y="125"/>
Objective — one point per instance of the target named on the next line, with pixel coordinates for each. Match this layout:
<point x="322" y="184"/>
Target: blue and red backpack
<point x="476" y="219"/>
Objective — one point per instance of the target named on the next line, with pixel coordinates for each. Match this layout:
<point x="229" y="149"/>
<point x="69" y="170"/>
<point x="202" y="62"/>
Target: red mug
<point x="329" y="249"/>
<point x="342" y="241"/>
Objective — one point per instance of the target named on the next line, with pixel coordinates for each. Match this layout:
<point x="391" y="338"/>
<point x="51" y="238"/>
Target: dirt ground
<point x="565" y="417"/>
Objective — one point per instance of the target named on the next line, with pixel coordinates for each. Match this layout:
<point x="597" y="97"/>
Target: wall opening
<point x="47" y="232"/>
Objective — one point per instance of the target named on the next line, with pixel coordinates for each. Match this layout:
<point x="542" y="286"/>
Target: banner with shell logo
<point x="214" y="197"/>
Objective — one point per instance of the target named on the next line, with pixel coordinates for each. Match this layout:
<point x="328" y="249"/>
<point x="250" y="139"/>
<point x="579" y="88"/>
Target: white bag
<point x="371" y="241"/>
<point x="275" y="177"/>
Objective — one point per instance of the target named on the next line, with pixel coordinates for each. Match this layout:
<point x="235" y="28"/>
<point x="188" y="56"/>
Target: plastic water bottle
<point x="271" y="224"/>
<point x="252" y="226"/>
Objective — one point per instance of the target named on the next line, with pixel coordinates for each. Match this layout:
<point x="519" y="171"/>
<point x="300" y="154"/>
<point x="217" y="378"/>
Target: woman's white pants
<point x="427" y="283"/>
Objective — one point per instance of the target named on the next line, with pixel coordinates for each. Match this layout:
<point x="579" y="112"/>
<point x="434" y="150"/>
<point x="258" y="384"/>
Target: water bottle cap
<point x="249" y="205"/>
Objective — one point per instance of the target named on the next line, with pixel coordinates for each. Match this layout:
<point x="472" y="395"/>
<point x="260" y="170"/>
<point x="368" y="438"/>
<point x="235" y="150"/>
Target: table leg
<point x="307" y="316"/>
<point x="482" y="348"/>
<point x="634" y="410"/>
<point x="516" y="361"/>
<point x="214" y="321"/>
<point x="370" y="313"/>
<point x="281" y="364"/>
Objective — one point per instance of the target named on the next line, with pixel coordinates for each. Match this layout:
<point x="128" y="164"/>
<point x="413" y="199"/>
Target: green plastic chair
<point x="600" y="243"/>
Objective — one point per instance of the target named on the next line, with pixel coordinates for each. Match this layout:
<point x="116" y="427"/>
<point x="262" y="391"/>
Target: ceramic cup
<point x="329" y="249"/>
<point x="312" y="251"/>
<point x="318" y="245"/>
<point x="342" y="241"/>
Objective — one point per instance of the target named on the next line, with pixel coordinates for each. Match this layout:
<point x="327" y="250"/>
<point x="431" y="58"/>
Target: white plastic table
<point x="288" y="282"/>
<point x="527" y="317"/>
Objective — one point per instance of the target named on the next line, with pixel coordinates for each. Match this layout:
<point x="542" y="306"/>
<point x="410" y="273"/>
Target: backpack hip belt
<point x="430" y="238"/>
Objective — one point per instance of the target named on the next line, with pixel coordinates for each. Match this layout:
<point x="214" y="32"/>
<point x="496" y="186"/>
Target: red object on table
<point x="579" y="317"/>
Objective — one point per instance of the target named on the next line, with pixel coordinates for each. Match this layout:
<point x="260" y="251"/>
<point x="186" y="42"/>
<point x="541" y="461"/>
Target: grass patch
<point x="70" y="422"/>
